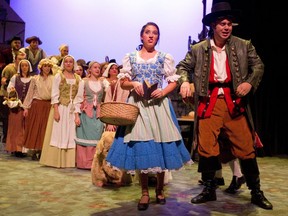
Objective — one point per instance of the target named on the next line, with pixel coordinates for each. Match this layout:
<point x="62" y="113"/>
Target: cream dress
<point x="59" y="142"/>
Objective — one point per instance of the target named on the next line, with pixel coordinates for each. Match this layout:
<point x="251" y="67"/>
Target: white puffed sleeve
<point x="55" y="89"/>
<point x="169" y="69"/>
<point x="125" y="71"/>
<point x="30" y="93"/>
<point x="11" y="83"/>
<point x="105" y="84"/>
<point x="79" y="97"/>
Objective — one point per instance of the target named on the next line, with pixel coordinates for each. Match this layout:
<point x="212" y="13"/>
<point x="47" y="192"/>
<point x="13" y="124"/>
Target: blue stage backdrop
<point x="94" y="29"/>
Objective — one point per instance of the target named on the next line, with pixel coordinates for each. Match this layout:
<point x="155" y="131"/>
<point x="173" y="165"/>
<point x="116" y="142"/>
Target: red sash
<point x="206" y="104"/>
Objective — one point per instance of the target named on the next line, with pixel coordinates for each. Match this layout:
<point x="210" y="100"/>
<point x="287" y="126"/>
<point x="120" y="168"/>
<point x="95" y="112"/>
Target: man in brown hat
<point x="226" y="71"/>
<point x="34" y="53"/>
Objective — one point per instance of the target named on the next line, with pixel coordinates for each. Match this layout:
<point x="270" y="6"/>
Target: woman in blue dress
<point x="154" y="142"/>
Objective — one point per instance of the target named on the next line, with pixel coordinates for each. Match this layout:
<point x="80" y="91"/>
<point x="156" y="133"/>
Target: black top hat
<point x="220" y="9"/>
<point x="14" y="38"/>
<point x="28" y="40"/>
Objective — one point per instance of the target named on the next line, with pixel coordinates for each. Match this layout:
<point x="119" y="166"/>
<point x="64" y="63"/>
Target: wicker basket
<point x="12" y="102"/>
<point x="118" y="113"/>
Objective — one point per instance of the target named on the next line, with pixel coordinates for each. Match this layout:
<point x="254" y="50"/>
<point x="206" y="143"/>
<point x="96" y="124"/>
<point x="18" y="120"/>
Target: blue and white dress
<point x="154" y="143"/>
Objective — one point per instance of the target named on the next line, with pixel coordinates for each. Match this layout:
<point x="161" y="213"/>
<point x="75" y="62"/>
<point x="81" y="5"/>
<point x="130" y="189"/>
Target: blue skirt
<point x="148" y="155"/>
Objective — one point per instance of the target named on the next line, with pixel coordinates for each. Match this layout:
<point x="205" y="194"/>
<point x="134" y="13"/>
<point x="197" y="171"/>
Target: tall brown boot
<point x="143" y="203"/>
<point x="160" y="199"/>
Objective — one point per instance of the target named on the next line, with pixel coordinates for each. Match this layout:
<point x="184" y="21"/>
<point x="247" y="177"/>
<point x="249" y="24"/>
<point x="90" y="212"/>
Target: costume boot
<point x="160" y="199"/>
<point x="235" y="184"/>
<point x="251" y="172"/>
<point x="208" y="167"/>
<point x="208" y="193"/>
<point x="143" y="203"/>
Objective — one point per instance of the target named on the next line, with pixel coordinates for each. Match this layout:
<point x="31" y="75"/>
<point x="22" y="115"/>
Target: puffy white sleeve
<point x="126" y="70"/>
<point x="30" y="94"/>
<point x="11" y="83"/>
<point x="169" y="69"/>
<point x="106" y="84"/>
<point x="55" y="89"/>
<point x="79" y="96"/>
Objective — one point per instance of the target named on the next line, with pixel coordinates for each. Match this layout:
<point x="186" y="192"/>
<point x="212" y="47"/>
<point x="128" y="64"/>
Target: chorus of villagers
<point x="56" y="121"/>
<point x="55" y="114"/>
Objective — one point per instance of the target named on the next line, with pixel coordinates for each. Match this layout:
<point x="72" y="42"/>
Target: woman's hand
<point x="56" y="113"/>
<point x="158" y="93"/>
<point x="25" y="112"/>
<point x="77" y="120"/>
<point x="56" y="116"/>
<point x="111" y="128"/>
<point x="12" y="89"/>
<point x="138" y="88"/>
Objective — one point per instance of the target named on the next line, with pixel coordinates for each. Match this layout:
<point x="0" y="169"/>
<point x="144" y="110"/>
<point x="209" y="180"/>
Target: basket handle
<point x="17" y="97"/>
<point x="116" y="86"/>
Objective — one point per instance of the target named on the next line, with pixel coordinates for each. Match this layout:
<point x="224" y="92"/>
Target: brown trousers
<point x="236" y="129"/>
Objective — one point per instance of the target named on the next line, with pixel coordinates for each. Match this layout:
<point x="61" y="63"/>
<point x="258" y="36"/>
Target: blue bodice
<point x="152" y="72"/>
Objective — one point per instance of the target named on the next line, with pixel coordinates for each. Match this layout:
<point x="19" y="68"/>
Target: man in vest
<point x="34" y="53"/>
<point x="226" y="70"/>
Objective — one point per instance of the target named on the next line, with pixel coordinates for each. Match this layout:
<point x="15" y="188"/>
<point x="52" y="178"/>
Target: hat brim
<point x="209" y="18"/>
<point x="14" y="39"/>
<point x="28" y="40"/>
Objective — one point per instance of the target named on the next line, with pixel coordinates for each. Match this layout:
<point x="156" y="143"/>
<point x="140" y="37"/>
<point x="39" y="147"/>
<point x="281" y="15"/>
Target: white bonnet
<point x="62" y="46"/>
<point x="91" y="63"/>
<point x="62" y="63"/>
<point x="24" y="60"/>
<point x="106" y="72"/>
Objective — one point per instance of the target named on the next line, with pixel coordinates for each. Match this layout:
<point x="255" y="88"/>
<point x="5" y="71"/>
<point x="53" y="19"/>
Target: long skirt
<point x="53" y="156"/>
<point x="16" y="127"/>
<point x="149" y="155"/>
<point x="88" y="135"/>
<point x="36" y="123"/>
